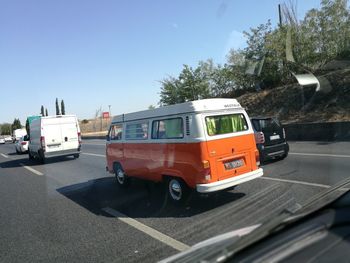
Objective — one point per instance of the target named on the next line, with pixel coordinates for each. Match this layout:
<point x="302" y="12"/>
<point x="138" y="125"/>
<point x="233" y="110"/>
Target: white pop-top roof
<point x="181" y="108"/>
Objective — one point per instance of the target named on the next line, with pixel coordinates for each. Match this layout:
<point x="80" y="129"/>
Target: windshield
<point x="133" y="130"/>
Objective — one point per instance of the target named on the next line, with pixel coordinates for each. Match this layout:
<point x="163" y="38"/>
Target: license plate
<point x="234" y="164"/>
<point x="275" y="137"/>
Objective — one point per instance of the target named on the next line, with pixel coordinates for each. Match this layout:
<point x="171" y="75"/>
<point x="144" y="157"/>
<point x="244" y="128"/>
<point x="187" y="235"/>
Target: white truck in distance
<point x="54" y="136"/>
<point x="18" y="134"/>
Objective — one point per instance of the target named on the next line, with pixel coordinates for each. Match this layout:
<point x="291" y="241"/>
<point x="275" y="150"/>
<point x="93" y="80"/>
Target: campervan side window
<point x="168" y="129"/>
<point x="136" y="131"/>
<point x="116" y="132"/>
<point x="223" y="124"/>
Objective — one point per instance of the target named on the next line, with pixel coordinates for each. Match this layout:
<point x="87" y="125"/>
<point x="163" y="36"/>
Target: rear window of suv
<point x="266" y="125"/>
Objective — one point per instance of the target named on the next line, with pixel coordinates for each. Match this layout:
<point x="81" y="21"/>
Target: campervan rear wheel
<point x="120" y="177"/>
<point x="177" y="190"/>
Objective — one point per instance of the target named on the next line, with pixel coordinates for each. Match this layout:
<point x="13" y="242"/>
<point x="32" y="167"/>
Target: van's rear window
<point x="223" y="124"/>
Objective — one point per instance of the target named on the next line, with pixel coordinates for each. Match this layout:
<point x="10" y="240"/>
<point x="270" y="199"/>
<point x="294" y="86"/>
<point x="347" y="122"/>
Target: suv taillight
<point x="42" y="142"/>
<point x="284" y="133"/>
<point x="259" y="137"/>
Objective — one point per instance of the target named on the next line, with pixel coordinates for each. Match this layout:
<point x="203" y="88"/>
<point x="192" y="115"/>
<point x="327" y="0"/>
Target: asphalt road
<point x="71" y="210"/>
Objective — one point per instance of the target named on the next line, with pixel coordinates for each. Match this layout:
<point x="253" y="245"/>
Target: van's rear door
<point x="51" y="131"/>
<point x="69" y="133"/>
<point x="230" y="143"/>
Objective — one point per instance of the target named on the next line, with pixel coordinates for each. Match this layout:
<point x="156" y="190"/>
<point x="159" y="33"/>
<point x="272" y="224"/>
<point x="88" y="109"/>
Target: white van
<point x="18" y="134"/>
<point x="53" y="136"/>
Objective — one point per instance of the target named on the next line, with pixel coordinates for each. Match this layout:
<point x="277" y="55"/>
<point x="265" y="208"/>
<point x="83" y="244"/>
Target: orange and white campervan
<point x="207" y="145"/>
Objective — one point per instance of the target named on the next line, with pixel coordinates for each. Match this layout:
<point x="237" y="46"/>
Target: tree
<point x="57" y="108"/>
<point x="63" y="109"/>
<point x="151" y="107"/>
<point x="42" y="111"/>
<point x="171" y="92"/>
<point x="46" y="112"/>
<point x="5" y="129"/>
<point x="16" y="124"/>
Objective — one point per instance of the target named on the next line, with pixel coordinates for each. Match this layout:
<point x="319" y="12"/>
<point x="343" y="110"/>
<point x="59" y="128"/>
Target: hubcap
<point x="120" y="176"/>
<point x="175" y="189"/>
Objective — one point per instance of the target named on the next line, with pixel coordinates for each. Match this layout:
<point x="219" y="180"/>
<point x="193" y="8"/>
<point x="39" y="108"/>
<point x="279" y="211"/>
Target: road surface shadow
<point x="142" y="199"/>
<point x="14" y="163"/>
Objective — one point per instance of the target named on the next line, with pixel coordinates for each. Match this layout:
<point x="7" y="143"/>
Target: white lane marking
<point x="147" y="230"/>
<point x="295" y="182"/>
<point x="4" y="155"/>
<point x="321" y="154"/>
<point x="31" y="169"/>
<point x="95" y="154"/>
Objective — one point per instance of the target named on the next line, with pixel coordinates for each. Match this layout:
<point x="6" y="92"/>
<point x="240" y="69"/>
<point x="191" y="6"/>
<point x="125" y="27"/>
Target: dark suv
<point x="270" y="138"/>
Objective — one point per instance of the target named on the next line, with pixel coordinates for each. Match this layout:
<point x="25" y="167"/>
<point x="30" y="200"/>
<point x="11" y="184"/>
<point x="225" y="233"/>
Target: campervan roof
<point x="181" y="108"/>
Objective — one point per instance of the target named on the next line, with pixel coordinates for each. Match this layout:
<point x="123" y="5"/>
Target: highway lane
<point x="60" y="215"/>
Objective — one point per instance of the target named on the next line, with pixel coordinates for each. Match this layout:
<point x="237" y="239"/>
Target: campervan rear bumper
<point x="223" y="184"/>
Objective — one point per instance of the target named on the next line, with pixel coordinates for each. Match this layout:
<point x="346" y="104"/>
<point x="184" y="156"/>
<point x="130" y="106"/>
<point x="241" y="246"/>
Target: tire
<point x="122" y="180"/>
<point x="30" y="155"/>
<point x="42" y="157"/>
<point x="284" y="156"/>
<point x="76" y="156"/>
<point x="177" y="190"/>
<point x="17" y="151"/>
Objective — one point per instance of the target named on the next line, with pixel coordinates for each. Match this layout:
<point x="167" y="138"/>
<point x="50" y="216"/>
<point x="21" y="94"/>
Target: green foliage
<point x="57" y="108"/>
<point x="46" y="112"/>
<point x="16" y="124"/>
<point x="5" y="129"/>
<point x="322" y="36"/>
<point x="63" y="108"/>
<point x="42" y="111"/>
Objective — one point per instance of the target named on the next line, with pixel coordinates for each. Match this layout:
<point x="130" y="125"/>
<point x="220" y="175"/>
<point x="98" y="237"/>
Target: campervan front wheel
<point x="120" y="176"/>
<point x="177" y="190"/>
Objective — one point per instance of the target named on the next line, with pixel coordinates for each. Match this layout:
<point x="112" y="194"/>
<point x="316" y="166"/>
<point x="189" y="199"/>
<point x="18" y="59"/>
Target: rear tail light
<point x="284" y="133"/>
<point x="79" y="138"/>
<point x="23" y="143"/>
<point x="206" y="172"/>
<point x="42" y="142"/>
<point x="257" y="158"/>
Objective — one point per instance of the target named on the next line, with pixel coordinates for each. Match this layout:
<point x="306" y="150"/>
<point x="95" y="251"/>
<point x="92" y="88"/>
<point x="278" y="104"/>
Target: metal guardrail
<point x="327" y="131"/>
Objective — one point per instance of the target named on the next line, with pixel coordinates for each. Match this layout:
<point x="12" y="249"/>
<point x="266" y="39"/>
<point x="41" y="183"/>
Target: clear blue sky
<point x="110" y="52"/>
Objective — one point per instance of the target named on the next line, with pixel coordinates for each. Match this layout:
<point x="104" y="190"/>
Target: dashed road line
<point x="5" y="156"/>
<point x="95" y="154"/>
<point x="321" y="155"/>
<point x="295" y="182"/>
<point x="147" y="230"/>
<point x="31" y="169"/>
